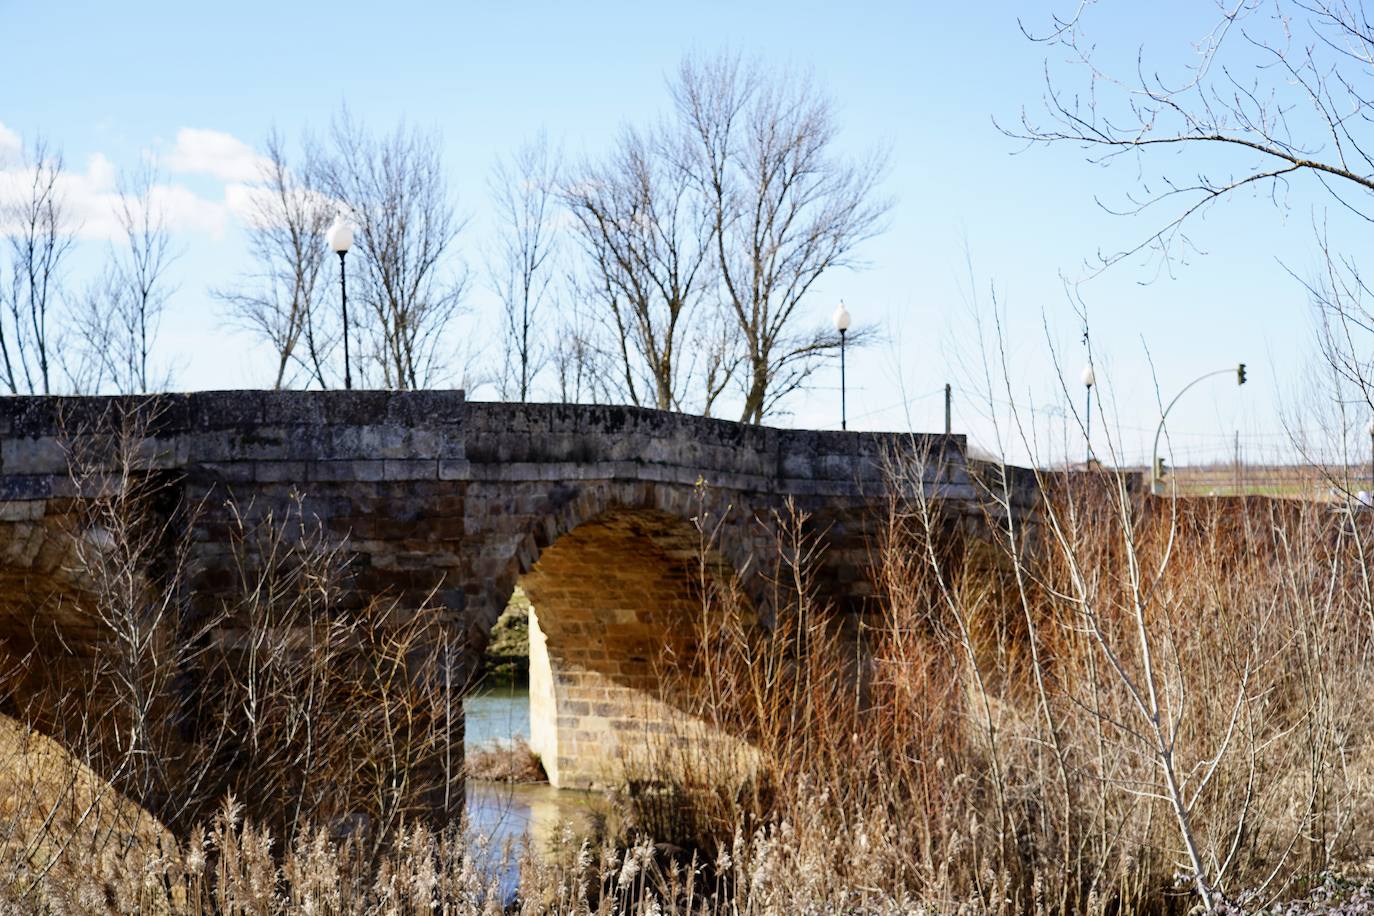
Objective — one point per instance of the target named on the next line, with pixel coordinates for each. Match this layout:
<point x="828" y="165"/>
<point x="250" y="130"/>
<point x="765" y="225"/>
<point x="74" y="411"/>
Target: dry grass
<point x="1109" y="706"/>
<point x="58" y="817"/>
<point x="1113" y="709"/>
<point x="511" y="762"/>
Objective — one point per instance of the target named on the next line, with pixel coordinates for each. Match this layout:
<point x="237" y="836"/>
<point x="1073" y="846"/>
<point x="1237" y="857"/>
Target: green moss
<point x="507" y="659"/>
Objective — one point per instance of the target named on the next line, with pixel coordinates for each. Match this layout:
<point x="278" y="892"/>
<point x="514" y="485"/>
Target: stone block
<point x="28" y="455"/>
<point x="22" y="510"/>
<point x="427" y="408"/>
<point x="293" y="408"/>
<point x="370" y="442"/>
<point x="345" y="471"/>
<point x="454" y="469"/>
<point x="220" y="471"/>
<point x="355" y="408"/>
<point x="421" y="443"/>
<point x="87" y="486"/>
<point x="29" y="416"/>
<point x="410" y="470"/>
<point x="279" y="471"/>
<point x="226" y="409"/>
<point x="160" y="453"/>
<point x="956" y="492"/>
<point x="797" y="463"/>
<point x="166" y="415"/>
<point x="25" y="486"/>
<point x="264" y="443"/>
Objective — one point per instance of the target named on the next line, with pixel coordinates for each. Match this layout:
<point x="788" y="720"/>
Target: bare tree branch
<point x="785" y="210"/>
<point x="522" y="268"/>
<point x="395" y="191"/>
<point x="284" y="301"/>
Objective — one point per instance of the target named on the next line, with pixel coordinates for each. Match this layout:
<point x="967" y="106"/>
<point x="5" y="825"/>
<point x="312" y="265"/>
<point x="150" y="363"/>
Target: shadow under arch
<point x="617" y="600"/>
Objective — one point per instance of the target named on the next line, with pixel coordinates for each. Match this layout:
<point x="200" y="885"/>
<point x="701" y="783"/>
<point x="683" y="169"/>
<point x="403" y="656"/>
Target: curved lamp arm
<point x="1155" y="487"/>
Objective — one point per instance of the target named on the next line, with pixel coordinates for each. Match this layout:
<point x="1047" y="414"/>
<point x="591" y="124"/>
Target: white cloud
<point x="189" y="212"/>
<point x="91" y="196"/>
<point x="100" y="171"/>
<point x="244" y="200"/>
<point x="91" y="193"/>
<point x="10" y="147"/>
<point x="257" y="205"/>
<point x="88" y="197"/>
<point x="212" y="152"/>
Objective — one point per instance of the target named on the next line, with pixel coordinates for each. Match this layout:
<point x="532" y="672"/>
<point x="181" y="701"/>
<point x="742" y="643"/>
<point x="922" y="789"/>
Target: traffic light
<point x="1240" y="374"/>
<point x="1160" y="469"/>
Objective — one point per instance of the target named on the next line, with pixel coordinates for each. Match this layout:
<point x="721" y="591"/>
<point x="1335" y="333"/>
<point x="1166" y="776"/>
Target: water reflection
<point x="501" y="714"/>
<point x="509" y="812"/>
<point x="511" y="815"/>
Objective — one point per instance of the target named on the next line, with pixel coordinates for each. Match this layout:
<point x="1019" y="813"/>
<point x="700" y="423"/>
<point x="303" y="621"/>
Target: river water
<point x="496" y="715"/>
<point x="514" y="813"/>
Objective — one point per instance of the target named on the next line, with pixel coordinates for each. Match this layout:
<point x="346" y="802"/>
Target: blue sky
<point x="110" y="83"/>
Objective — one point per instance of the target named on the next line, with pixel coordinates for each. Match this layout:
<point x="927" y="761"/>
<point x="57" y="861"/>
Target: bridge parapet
<point x="272" y="436"/>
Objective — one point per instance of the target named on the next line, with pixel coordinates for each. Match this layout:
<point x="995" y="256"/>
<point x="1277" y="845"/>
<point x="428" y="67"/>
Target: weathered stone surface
<point x="25" y="455"/>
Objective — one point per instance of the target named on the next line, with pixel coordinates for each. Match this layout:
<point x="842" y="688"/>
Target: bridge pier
<point x="615" y="629"/>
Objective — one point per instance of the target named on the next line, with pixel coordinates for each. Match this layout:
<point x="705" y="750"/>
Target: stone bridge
<point x="447" y="505"/>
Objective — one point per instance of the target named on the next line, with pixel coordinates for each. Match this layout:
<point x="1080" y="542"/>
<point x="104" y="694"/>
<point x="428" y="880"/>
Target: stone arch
<point x="564" y="508"/>
<point x="49" y="631"/>
<point x="616" y="601"/>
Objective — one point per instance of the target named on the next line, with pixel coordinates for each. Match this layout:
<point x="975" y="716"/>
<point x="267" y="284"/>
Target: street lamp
<point x="340" y="239"/>
<point x="841" y="319"/>
<point x="1089" y="380"/>
<point x="1156" y="484"/>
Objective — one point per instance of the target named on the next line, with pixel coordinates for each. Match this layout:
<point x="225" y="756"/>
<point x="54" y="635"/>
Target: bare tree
<point x="116" y="322"/>
<point x="581" y="367"/>
<point x="148" y="255"/>
<point x="283" y="301"/>
<point x="1272" y="93"/>
<point x="1269" y="101"/>
<point x="522" y="267"/>
<point x="88" y="346"/>
<point x="410" y="293"/>
<point x="785" y="210"/>
<point x="573" y="362"/>
<point x="40" y="236"/>
<point x="647" y="239"/>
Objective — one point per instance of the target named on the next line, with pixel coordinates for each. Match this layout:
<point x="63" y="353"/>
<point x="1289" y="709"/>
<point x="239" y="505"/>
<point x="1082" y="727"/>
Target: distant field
<point x="1284" y="481"/>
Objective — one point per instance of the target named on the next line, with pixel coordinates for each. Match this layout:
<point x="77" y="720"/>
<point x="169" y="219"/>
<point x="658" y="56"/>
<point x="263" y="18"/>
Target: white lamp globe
<point x="1089" y="376"/>
<point x="340" y="235"/>
<point x="841" y="318"/>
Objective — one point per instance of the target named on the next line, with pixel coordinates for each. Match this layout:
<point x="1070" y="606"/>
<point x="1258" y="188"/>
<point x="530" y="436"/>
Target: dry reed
<point x="1102" y="704"/>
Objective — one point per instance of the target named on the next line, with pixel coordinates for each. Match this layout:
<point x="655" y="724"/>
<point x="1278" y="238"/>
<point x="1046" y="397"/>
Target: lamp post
<point x="841" y="319"/>
<point x="1156" y="484"/>
<point x="1089" y="380"/>
<point x="340" y="238"/>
